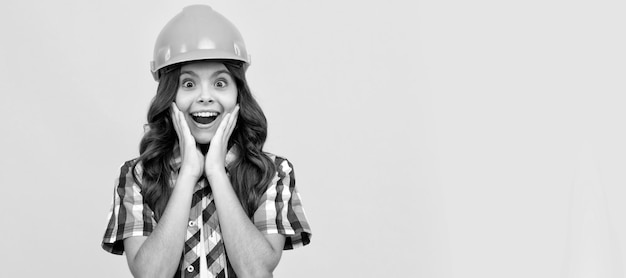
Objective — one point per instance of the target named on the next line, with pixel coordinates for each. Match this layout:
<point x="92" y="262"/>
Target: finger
<point x="185" y="127"/>
<point x="174" y="115"/>
<point x="174" y="118"/>
<point x="220" y="129"/>
<point x="176" y="121"/>
<point x="232" y="123"/>
<point x="233" y="117"/>
<point x="188" y="136"/>
<point x="226" y="123"/>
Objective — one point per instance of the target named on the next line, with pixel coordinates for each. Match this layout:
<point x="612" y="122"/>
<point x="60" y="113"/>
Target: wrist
<point x="215" y="177"/>
<point x="190" y="174"/>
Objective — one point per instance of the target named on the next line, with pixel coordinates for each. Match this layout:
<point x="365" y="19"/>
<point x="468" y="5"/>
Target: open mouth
<point x="204" y="117"/>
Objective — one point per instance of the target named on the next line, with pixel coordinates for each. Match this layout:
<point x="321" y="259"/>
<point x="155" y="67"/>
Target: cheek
<point x="188" y="119"/>
<point x="231" y="101"/>
<point x="183" y="103"/>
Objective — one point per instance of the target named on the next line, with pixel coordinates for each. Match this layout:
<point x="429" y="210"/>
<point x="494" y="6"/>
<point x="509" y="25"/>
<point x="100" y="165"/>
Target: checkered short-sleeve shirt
<point x="280" y="212"/>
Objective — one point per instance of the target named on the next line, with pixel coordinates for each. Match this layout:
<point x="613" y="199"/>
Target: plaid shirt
<point x="280" y="212"/>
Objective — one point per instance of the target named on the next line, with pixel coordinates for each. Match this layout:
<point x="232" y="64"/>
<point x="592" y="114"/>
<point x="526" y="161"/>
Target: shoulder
<point x="280" y="210"/>
<point x="129" y="166"/>
<point x="130" y="172"/>
<point x="281" y="163"/>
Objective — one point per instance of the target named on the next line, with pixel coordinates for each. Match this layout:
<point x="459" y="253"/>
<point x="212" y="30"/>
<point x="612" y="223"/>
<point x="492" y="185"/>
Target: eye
<point x="188" y="84"/>
<point x="221" y="83"/>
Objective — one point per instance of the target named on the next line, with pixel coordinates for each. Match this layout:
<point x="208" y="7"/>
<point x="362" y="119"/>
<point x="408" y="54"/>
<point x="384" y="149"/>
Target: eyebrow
<point x="220" y="72"/>
<point x="212" y="75"/>
<point x="188" y="72"/>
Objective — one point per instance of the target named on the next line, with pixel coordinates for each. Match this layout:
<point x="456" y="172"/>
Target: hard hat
<point x="197" y="33"/>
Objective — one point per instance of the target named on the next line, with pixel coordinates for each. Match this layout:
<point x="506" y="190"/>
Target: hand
<point x="216" y="156"/>
<point x="192" y="158"/>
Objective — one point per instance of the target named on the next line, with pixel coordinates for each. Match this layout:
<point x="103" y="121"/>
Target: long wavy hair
<point x="250" y="173"/>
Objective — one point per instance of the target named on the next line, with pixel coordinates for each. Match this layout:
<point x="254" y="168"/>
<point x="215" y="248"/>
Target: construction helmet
<point x="197" y="33"/>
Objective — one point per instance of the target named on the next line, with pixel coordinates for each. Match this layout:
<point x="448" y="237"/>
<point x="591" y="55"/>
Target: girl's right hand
<point x="192" y="158"/>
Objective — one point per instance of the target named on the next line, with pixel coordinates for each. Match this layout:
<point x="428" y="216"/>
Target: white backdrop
<point x="430" y="138"/>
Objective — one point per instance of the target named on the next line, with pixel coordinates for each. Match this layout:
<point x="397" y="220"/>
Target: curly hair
<point x="250" y="173"/>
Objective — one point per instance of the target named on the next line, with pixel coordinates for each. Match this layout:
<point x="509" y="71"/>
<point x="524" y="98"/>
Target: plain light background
<point x="429" y="138"/>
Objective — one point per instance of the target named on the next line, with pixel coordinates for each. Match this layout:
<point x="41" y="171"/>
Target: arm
<point x="158" y="255"/>
<point x="251" y="253"/>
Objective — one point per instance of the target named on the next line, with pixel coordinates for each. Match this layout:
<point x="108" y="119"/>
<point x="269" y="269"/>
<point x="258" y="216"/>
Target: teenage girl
<point x="203" y="199"/>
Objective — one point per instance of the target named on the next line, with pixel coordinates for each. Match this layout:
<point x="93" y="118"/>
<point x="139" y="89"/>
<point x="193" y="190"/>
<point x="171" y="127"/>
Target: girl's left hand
<point x="216" y="156"/>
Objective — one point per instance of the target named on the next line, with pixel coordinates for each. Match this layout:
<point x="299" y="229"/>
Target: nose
<point x="206" y="94"/>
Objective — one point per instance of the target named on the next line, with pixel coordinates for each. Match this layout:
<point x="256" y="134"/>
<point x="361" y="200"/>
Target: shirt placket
<point x="191" y="264"/>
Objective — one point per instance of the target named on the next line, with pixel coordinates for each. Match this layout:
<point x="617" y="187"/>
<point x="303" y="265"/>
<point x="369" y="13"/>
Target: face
<point x="206" y="92"/>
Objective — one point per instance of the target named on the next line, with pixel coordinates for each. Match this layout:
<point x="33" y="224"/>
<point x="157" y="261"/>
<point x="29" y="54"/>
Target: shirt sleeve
<point x="280" y="210"/>
<point x="129" y="215"/>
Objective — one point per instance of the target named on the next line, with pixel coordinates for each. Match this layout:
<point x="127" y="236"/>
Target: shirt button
<point x="192" y="223"/>
<point x="190" y="268"/>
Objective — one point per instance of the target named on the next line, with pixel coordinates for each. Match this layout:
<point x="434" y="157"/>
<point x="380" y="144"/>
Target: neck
<point x="204" y="148"/>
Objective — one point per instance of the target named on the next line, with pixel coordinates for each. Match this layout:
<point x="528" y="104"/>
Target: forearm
<point x="248" y="250"/>
<point x="160" y="253"/>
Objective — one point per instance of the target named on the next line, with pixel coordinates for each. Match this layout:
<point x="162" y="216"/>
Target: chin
<point x="203" y="138"/>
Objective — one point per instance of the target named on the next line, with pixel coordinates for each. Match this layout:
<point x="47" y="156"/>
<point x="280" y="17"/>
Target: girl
<point x="203" y="199"/>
